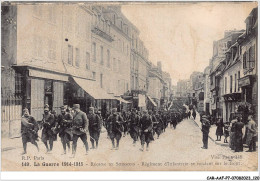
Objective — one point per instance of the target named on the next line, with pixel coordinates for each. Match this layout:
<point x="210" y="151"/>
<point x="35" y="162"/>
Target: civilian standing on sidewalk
<point x="251" y="134"/>
<point x="219" y="130"/>
<point x="232" y="134"/>
<point x="205" y="131"/>
<point x="238" y="142"/>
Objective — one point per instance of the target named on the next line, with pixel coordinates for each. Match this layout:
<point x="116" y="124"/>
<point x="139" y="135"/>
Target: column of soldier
<point x="73" y="124"/>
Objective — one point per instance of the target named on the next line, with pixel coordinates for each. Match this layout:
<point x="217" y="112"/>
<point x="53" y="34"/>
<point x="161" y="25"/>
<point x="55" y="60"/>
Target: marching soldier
<point x="48" y="123"/>
<point x="158" y="125"/>
<point x="79" y="128"/>
<point x="146" y="126"/>
<point x="115" y="128"/>
<point x="174" y="120"/>
<point x="125" y="124"/>
<point x="64" y="127"/>
<point x="29" y="129"/>
<point x="134" y="126"/>
<point x="95" y="125"/>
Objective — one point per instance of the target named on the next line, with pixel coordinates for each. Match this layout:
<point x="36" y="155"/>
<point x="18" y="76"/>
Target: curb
<point x="221" y="144"/>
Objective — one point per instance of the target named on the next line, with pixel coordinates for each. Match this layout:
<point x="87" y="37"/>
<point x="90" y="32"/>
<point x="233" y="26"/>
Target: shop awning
<point x="152" y="101"/>
<point x="92" y="88"/>
<point x="122" y="100"/>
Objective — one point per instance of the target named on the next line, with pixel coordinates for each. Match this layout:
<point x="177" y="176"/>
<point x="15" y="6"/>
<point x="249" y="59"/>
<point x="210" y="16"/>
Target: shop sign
<point x="245" y="81"/>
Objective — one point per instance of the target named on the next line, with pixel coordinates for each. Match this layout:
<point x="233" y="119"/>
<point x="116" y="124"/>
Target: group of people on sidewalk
<point x="72" y="124"/>
<point x="234" y="130"/>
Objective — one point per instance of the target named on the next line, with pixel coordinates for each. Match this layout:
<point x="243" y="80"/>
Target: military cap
<point x="46" y="107"/>
<point x="76" y="106"/>
<point x="91" y="108"/>
<point x="63" y="107"/>
<point x="25" y="110"/>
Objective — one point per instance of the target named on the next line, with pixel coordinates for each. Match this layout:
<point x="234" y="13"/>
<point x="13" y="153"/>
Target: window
<point x="94" y="51"/>
<point x="94" y="75"/>
<point x="114" y="64"/>
<point x="231" y="82"/>
<point x="101" y="55"/>
<point x="77" y="63"/>
<point x="18" y="84"/>
<point x="51" y="49"/>
<point x="118" y="65"/>
<point x="235" y="83"/>
<point x="244" y="60"/>
<point x="70" y="54"/>
<point x="251" y="63"/>
<point x="225" y="85"/>
<point x="114" y="19"/>
<point x="101" y="80"/>
<point x="87" y="61"/>
<point x="238" y="77"/>
<point x="108" y="58"/>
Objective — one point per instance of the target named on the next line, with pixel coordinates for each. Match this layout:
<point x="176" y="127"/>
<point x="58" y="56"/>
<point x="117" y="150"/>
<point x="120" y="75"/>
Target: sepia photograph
<point x="129" y="86"/>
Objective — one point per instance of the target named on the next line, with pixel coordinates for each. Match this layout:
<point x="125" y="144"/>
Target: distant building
<point x="217" y="65"/>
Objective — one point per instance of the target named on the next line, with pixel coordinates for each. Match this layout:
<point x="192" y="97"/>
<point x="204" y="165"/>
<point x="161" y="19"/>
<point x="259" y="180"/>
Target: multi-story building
<point x="44" y="46"/>
<point x="156" y="83"/>
<point x="217" y="66"/>
<point x="231" y="74"/>
<point x="139" y="67"/>
<point x="182" y="88"/>
<point x="167" y="90"/>
<point x="248" y="48"/>
<point x="207" y="94"/>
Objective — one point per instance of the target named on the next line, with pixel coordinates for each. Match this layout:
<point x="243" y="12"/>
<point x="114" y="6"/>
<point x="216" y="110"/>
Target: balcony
<point x="98" y="30"/>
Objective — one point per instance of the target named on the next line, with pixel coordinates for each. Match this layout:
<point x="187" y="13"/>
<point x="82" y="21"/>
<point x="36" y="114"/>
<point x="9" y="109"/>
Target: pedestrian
<point x="134" y="126"/>
<point x="205" y="131"/>
<point x="79" y="129"/>
<point x="232" y="134"/>
<point x="158" y="125"/>
<point x="194" y="113"/>
<point x="238" y="138"/>
<point x="95" y="125"/>
<point x="226" y="132"/>
<point x="251" y="134"/>
<point x="174" y="120"/>
<point x="146" y="126"/>
<point x="29" y="130"/>
<point x="219" y="130"/>
<point x="115" y="128"/>
<point x="49" y="124"/>
<point x="64" y="128"/>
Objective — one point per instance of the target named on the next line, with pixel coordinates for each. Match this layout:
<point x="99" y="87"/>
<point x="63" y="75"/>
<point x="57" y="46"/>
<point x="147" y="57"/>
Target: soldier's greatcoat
<point x="115" y="127"/>
<point x="29" y="129"/>
<point x="95" y="125"/>
<point x="134" y="126"/>
<point x="80" y="120"/>
<point x="48" y="122"/>
<point x="146" y="124"/>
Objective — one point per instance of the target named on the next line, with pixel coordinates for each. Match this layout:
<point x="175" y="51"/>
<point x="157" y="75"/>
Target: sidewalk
<point x="212" y="132"/>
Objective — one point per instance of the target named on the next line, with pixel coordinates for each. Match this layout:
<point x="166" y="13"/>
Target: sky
<point x="181" y="35"/>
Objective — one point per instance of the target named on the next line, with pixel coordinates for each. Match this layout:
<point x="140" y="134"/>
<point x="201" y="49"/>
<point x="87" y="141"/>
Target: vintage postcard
<point x="129" y="86"/>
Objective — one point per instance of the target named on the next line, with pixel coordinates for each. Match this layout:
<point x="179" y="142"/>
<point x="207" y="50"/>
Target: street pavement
<point x="178" y="150"/>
